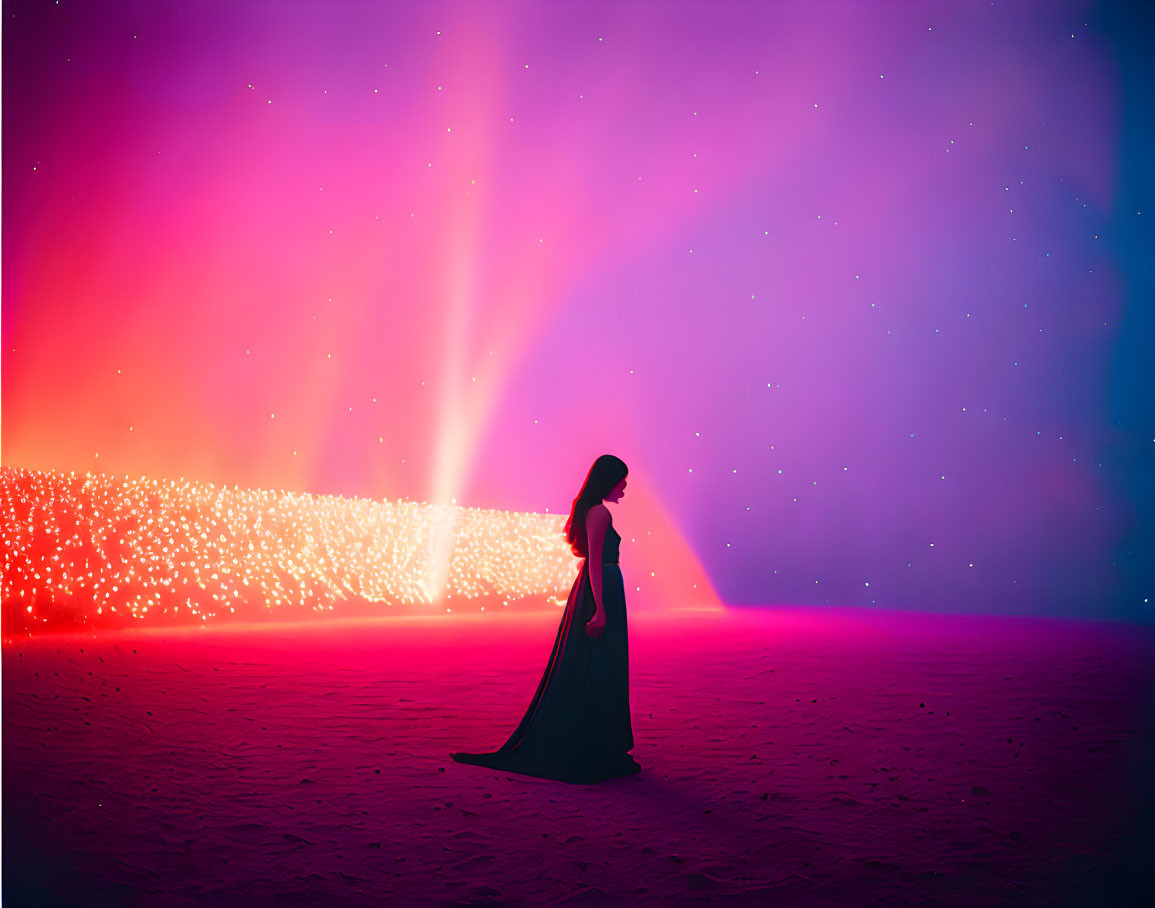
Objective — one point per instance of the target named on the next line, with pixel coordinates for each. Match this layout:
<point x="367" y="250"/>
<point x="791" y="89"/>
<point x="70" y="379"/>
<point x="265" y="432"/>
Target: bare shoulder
<point x="598" y="514"/>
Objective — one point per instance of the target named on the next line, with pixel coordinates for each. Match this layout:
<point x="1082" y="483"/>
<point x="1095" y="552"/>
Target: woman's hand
<point x="597" y="624"/>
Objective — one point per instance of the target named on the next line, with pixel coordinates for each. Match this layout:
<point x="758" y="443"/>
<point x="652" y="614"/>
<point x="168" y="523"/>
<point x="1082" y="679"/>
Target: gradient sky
<point x="859" y="291"/>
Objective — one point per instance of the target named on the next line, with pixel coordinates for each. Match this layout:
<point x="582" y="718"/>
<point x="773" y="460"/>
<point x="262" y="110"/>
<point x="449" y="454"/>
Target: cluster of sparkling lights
<point x="96" y="546"/>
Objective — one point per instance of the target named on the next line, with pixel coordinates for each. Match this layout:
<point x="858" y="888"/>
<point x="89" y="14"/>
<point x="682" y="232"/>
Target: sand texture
<point x="790" y="757"/>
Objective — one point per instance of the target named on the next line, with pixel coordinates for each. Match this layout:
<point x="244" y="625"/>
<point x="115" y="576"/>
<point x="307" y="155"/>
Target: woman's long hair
<point x="606" y="473"/>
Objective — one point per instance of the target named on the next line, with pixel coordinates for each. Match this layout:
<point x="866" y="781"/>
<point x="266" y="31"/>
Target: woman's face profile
<point x="616" y="493"/>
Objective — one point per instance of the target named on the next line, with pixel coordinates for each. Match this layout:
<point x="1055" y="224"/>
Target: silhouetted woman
<point x="577" y="728"/>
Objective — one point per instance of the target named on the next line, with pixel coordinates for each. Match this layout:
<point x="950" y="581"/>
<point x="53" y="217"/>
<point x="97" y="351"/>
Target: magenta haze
<point x="835" y="280"/>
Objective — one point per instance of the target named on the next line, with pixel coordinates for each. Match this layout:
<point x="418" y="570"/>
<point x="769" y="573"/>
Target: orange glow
<point x="99" y="550"/>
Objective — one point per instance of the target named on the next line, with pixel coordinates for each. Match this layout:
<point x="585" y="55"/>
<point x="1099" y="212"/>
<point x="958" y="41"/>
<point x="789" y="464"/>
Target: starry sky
<point x="859" y="291"/>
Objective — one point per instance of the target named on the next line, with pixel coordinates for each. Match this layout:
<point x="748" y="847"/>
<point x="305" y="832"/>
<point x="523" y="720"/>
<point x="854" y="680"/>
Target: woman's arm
<point x="597" y="520"/>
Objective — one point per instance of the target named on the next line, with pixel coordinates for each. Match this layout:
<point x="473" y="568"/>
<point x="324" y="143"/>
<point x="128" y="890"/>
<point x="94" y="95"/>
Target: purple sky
<point x="841" y="283"/>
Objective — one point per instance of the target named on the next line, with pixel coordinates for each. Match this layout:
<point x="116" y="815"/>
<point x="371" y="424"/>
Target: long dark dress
<point x="577" y="727"/>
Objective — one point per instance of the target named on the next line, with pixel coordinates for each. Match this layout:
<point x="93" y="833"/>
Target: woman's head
<point x="606" y="481"/>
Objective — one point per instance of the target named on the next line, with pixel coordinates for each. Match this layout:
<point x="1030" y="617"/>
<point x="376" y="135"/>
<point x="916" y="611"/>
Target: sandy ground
<point x="791" y="757"/>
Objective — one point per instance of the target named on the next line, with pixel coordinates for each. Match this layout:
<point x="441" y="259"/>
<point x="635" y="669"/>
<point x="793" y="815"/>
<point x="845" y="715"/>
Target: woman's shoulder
<point x="598" y="512"/>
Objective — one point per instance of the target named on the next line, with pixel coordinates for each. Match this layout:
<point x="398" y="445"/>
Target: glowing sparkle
<point x="98" y="545"/>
